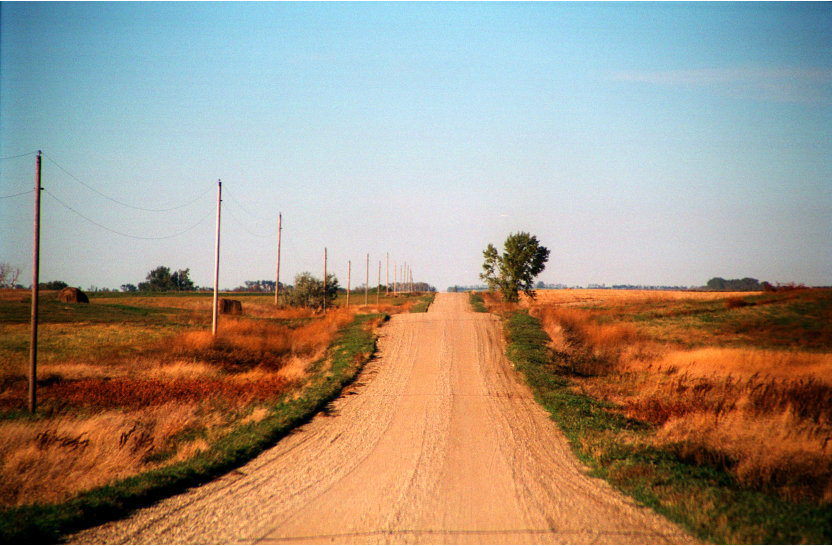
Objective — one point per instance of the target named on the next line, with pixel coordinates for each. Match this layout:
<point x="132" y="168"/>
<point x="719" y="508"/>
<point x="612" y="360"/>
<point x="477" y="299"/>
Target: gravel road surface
<point x="437" y="442"/>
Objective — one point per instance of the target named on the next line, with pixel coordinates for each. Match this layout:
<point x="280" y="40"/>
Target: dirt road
<point x="436" y="443"/>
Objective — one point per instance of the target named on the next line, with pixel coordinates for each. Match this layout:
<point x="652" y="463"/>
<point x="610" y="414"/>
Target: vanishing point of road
<point x="437" y="442"/>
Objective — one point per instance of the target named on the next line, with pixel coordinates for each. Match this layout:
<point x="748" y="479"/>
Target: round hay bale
<point x="70" y="294"/>
<point x="230" y="307"/>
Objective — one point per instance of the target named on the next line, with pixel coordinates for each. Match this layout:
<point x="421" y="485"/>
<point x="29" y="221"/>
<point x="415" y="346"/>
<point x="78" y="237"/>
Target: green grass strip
<point x="423" y="304"/>
<point x="477" y="302"/>
<point x="48" y="523"/>
<point x="705" y="500"/>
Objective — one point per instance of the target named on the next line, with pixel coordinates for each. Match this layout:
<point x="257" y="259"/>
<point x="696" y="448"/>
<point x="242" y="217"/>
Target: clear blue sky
<point x="641" y="143"/>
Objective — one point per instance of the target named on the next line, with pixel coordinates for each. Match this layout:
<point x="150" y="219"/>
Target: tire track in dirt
<point x="437" y="442"/>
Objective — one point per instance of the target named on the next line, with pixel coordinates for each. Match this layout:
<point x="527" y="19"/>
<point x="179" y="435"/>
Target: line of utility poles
<point x="401" y="278"/>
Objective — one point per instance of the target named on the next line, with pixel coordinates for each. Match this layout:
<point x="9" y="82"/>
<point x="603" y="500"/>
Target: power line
<point x="243" y="225"/>
<point x="255" y="216"/>
<point x="122" y="203"/>
<point x="16" y="156"/>
<point x="16" y="194"/>
<point x="102" y="226"/>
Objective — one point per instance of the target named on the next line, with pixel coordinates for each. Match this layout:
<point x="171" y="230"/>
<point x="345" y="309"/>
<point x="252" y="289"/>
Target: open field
<point x="742" y="380"/>
<point x="131" y="383"/>
<point x="735" y="382"/>
<point x="437" y="442"/>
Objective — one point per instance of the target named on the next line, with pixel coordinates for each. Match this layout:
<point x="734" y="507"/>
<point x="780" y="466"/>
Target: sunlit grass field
<point x="742" y="381"/>
<point x="129" y="383"/>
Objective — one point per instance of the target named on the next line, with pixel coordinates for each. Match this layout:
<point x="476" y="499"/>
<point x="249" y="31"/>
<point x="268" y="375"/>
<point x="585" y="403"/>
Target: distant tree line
<point x="746" y="284"/>
<point x="257" y="286"/>
<point x="467" y="288"/>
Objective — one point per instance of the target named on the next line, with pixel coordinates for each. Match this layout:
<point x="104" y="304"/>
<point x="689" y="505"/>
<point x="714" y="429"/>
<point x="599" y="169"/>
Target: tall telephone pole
<point x="349" y="270"/>
<point x="324" y="280"/>
<point x="277" y="273"/>
<point x="217" y="261"/>
<point x="367" y="281"/>
<point x="33" y="348"/>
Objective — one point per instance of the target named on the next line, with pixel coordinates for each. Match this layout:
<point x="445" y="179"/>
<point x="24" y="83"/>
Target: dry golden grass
<point x="591" y="296"/>
<point x="746" y="362"/>
<point x="763" y="414"/>
<point x="769" y="451"/>
<point x="116" y="398"/>
<point x="50" y="459"/>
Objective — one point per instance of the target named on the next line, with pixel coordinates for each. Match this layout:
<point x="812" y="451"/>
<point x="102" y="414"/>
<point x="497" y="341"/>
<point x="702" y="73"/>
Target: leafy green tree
<point x="162" y="280"/>
<point x="182" y="280"/>
<point x="308" y="291"/>
<point x="523" y="259"/>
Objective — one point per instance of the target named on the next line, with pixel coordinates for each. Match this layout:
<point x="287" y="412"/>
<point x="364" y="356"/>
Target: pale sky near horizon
<point x="641" y="143"/>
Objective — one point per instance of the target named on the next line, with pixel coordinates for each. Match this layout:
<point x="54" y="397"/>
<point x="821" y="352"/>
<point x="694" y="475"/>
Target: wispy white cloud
<point x="786" y="85"/>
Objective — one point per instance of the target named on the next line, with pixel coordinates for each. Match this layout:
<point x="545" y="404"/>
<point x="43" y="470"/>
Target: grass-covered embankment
<point x="477" y="302"/>
<point x="423" y="304"/>
<point x="47" y="523"/>
<point x="698" y="495"/>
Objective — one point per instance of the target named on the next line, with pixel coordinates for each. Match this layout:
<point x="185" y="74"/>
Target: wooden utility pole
<point x="349" y="270"/>
<point x="324" y="280"/>
<point x="217" y="261"/>
<point x="387" y="281"/>
<point x="378" y="290"/>
<point x="367" y="281"/>
<point x="277" y="273"/>
<point x="33" y="348"/>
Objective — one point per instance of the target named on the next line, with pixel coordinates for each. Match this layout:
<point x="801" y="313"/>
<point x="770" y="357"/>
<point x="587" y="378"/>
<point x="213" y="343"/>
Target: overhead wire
<point x="140" y="237"/>
<point x="244" y="225"/>
<point x="231" y="197"/>
<point x="17" y="194"/>
<point x="122" y="203"/>
<point x="16" y="156"/>
<point x="246" y="229"/>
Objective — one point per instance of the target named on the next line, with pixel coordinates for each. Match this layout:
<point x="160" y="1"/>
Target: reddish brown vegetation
<point x="115" y="397"/>
<point x="701" y="368"/>
<point x="139" y="393"/>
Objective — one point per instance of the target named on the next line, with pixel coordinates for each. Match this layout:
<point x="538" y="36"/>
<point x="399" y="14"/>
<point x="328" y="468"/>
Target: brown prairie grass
<point x="118" y="398"/>
<point x="48" y="460"/>
<point x="762" y="414"/>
